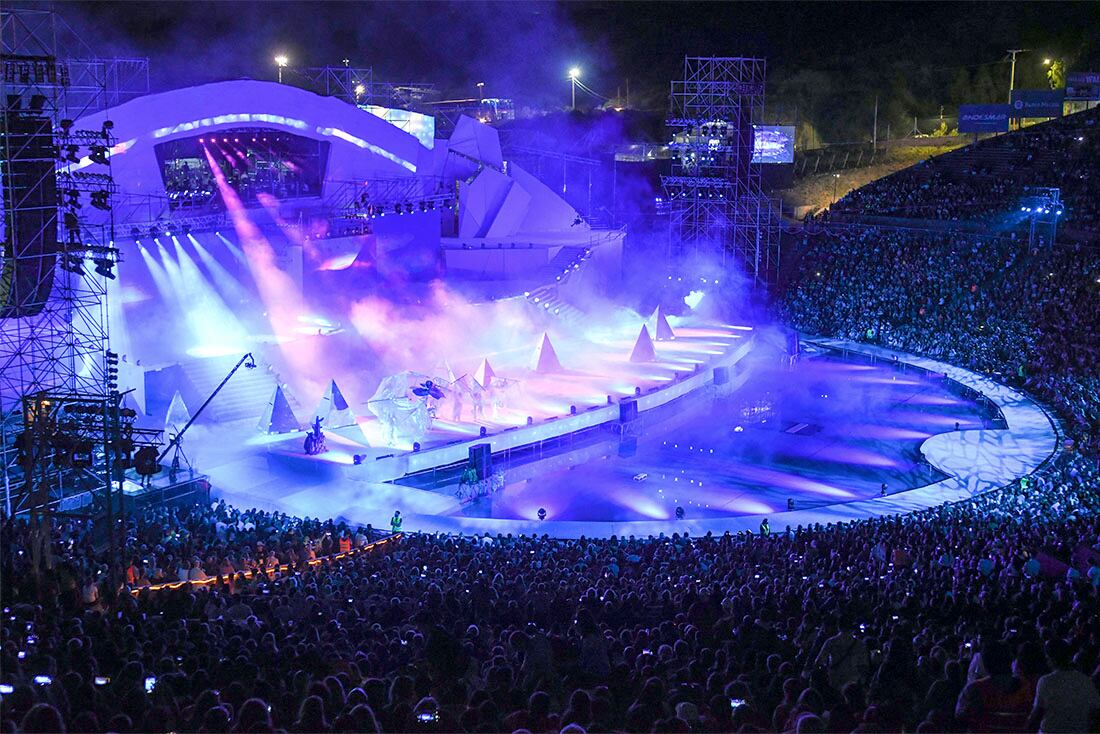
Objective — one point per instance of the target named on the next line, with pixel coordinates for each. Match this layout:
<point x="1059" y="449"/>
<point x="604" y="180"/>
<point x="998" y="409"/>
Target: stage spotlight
<point x="542" y="513"/>
<point x="98" y="154"/>
<point x="572" y="410"/>
<point x="530" y="421"/>
<point x="104" y="267"/>
<point x="357" y="459"/>
<point x="99" y="200"/>
<point x="482" y="432"/>
<point x="72" y="264"/>
<point x="679" y="512"/>
<point x="416" y="446"/>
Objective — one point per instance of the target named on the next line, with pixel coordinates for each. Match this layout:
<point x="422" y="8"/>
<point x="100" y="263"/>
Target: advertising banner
<point x="1083" y="86"/>
<point x="983" y="118"/>
<point x="1037" y="102"/>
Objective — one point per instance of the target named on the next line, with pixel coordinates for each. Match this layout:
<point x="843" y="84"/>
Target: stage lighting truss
<point x="714" y="196"/>
<point x="79" y="437"/>
<point x="56" y="358"/>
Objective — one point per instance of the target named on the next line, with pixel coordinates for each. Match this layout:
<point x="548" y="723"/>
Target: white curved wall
<point x="362" y="145"/>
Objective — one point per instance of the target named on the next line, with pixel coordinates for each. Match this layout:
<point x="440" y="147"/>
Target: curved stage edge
<point x="975" y="461"/>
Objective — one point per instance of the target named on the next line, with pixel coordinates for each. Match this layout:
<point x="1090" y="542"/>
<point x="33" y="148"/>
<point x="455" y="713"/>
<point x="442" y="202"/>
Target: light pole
<point x="480" y="91"/>
<point x="836" y="177"/>
<point x="573" y="74"/>
<point x="281" y="61"/>
<point x="1012" y="75"/>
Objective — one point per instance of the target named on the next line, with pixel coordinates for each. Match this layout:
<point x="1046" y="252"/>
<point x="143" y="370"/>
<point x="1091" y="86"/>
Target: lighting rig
<point x="74" y="187"/>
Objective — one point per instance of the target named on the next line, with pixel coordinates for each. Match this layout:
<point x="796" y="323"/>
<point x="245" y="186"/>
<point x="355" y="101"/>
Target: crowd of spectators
<point x="1028" y="315"/>
<point x="952" y="619"/>
<point x="979" y="616"/>
<point x="988" y="182"/>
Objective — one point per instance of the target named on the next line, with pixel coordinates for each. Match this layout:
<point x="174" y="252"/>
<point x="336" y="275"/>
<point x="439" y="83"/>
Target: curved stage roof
<point x="495" y="199"/>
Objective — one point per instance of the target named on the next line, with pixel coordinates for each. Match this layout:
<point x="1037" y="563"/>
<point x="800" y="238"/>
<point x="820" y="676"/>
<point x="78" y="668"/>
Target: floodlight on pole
<point x="360" y="90"/>
<point x="281" y="61"/>
<point x="574" y="72"/>
<point x="1012" y="74"/>
<point x="480" y="91"/>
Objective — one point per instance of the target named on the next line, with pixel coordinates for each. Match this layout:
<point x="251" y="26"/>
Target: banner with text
<point x="1037" y="102"/>
<point x="1083" y="85"/>
<point x="983" y="118"/>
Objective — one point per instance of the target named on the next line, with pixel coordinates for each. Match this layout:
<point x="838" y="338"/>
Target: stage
<point x="837" y="426"/>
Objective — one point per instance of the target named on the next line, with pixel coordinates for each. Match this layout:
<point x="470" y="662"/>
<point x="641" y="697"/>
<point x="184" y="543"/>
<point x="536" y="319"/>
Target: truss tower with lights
<point x="61" y="430"/>
<point x="716" y="203"/>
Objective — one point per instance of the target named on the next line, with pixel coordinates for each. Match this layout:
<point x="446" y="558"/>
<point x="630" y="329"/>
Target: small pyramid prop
<point x="129" y="401"/>
<point x="484" y="374"/>
<point x="662" y="329"/>
<point x="546" y="359"/>
<point x="177" y="417"/>
<point x="334" y="409"/>
<point x="643" y="348"/>
<point x="278" y="416"/>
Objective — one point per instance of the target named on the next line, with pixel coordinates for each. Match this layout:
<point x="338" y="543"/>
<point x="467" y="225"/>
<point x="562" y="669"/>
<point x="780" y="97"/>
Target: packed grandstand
<point x="977" y="616"/>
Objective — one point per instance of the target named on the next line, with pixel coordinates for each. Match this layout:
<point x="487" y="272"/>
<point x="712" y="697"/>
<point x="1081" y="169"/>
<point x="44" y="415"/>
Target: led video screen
<point x="773" y="144"/>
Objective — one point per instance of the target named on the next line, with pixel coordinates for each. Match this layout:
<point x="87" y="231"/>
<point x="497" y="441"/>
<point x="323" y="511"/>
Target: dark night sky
<point x="522" y="49"/>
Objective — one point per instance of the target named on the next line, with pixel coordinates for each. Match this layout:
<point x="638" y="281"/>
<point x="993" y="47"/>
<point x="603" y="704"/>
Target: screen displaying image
<point x="773" y="144"/>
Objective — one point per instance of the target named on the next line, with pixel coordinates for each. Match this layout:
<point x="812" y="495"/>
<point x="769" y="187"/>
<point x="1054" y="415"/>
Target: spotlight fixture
<point x="542" y="513"/>
<point x="98" y="154"/>
<point x="72" y="264"/>
<point x="679" y="512"/>
<point x="104" y="267"/>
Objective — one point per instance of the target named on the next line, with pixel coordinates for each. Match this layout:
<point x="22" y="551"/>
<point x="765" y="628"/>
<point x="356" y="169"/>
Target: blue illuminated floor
<point x="827" y="431"/>
<point x="828" y="453"/>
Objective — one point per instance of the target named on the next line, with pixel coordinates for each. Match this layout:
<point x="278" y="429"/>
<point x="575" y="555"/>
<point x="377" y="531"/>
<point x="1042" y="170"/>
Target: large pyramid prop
<point x="177" y="417"/>
<point x="334" y="409"/>
<point x="484" y="374"/>
<point x="662" y="330"/>
<point x="643" y="348"/>
<point x="546" y="359"/>
<point x="278" y="416"/>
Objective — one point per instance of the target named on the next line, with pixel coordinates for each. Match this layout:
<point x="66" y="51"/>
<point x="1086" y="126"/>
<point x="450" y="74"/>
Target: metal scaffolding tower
<point x="359" y="87"/>
<point x="716" y="203"/>
<point x="58" y="258"/>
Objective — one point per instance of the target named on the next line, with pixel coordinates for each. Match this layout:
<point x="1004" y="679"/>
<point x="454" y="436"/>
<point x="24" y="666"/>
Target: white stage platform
<point x="975" y="461"/>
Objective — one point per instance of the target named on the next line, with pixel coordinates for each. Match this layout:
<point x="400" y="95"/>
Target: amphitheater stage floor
<point x="826" y="433"/>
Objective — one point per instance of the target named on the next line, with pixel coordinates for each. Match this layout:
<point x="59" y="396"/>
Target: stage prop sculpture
<point x="546" y="359"/>
<point x="643" y="348"/>
<point x="661" y="328"/>
<point x="314" y="443"/>
<point x="334" y="408"/>
<point x="405" y="405"/>
<point x="278" y="417"/>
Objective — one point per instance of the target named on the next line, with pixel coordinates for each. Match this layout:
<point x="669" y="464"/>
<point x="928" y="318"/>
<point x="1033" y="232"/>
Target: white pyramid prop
<point x="662" y="330"/>
<point x="278" y="416"/>
<point x="643" y="348"/>
<point x="334" y="409"/>
<point x="546" y="359"/>
<point x="484" y="374"/>
<point x="177" y="416"/>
